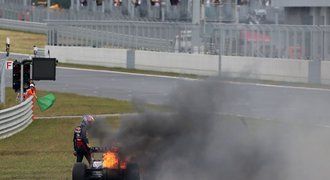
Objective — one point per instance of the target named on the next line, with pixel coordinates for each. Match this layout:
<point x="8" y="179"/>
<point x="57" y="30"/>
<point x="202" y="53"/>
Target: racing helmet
<point x="87" y="120"/>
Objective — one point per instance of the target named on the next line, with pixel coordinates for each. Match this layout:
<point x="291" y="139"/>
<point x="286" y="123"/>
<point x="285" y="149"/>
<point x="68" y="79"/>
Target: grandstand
<point x="228" y="11"/>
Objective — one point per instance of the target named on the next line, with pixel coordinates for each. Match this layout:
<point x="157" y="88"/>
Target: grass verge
<point x="44" y="149"/>
<point x="73" y="104"/>
<point x="22" y="42"/>
<point x="41" y="151"/>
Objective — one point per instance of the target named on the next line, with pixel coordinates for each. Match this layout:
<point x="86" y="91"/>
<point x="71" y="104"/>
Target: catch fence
<point x="121" y="34"/>
<point x="267" y="41"/>
<point x="116" y="27"/>
<point x="272" y="41"/>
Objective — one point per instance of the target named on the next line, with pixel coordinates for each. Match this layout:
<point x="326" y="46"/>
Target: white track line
<point x="278" y="86"/>
<point x="79" y="116"/>
<point x="126" y="73"/>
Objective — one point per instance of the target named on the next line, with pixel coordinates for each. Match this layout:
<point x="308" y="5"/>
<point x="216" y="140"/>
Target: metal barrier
<point x="144" y="36"/>
<point x="15" y="119"/>
<point x="267" y="41"/>
<point x="270" y="41"/>
<point x="23" y="26"/>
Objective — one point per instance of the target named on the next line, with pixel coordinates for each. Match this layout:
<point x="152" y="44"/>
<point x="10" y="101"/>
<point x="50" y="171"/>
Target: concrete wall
<point x="90" y="56"/>
<point x="243" y="67"/>
<point x="325" y="72"/>
<point x="265" y="68"/>
<point x="177" y="62"/>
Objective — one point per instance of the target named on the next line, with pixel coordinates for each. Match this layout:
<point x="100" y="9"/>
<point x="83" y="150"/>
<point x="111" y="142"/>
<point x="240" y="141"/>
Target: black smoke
<point x="191" y="140"/>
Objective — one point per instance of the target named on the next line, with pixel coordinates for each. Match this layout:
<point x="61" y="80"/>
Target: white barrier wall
<point x="89" y="56"/>
<point x="243" y="67"/>
<point x="325" y="72"/>
<point x="265" y="68"/>
<point x="177" y="62"/>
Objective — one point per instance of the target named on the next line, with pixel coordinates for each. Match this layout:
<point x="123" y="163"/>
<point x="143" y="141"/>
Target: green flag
<point x="46" y="102"/>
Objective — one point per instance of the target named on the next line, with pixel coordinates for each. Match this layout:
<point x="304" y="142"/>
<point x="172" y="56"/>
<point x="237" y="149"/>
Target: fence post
<point x="3" y="83"/>
<point x="314" y="72"/>
<point x="196" y="29"/>
<point x="130" y="62"/>
<point x="220" y="53"/>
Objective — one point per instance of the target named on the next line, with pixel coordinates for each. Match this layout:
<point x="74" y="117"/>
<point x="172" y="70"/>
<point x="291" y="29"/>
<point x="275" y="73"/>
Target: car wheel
<point x="132" y="171"/>
<point x="79" y="171"/>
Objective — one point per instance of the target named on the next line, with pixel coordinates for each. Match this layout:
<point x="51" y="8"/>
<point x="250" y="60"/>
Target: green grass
<point x="73" y="104"/>
<point x="22" y="42"/>
<point x="44" y="149"/>
<point x="128" y="70"/>
<point x="41" y="151"/>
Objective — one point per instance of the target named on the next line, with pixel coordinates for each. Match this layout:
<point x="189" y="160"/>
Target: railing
<point x="266" y="41"/>
<point x="271" y="41"/>
<point x="23" y="26"/>
<point x="15" y="119"/>
<point x="131" y="35"/>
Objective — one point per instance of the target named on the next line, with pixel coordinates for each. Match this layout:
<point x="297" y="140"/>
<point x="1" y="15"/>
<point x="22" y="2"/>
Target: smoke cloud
<point x="191" y="140"/>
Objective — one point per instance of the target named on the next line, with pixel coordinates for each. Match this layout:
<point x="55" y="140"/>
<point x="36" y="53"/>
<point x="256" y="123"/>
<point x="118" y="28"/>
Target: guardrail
<point x="15" y="119"/>
<point x="23" y="26"/>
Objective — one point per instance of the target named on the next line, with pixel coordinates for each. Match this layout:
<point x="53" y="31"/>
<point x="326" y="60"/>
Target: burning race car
<point x="111" y="167"/>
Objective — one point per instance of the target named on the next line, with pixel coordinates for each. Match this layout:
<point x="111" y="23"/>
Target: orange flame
<point x="110" y="160"/>
<point x="123" y="165"/>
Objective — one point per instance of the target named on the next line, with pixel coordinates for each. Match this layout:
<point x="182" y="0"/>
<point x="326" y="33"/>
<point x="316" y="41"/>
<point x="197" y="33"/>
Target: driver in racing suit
<point x="80" y="139"/>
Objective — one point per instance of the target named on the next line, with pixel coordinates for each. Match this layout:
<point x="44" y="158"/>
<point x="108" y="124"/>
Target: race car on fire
<point x="112" y="166"/>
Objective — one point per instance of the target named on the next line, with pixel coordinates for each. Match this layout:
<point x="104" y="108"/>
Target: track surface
<point x="271" y="102"/>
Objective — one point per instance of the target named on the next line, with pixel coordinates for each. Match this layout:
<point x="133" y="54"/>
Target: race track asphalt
<point x="247" y="99"/>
